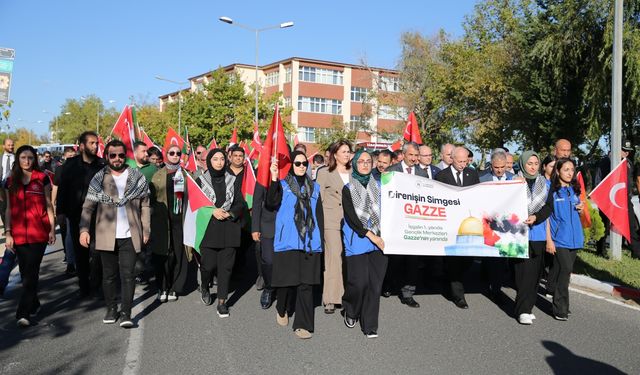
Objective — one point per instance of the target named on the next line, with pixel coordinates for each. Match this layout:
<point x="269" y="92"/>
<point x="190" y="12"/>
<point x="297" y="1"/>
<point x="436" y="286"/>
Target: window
<point x="287" y="75"/>
<point x="359" y="123"/>
<point x="320" y="105"/>
<point x="390" y="83"/>
<point x="306" y="134"/>
<point x="359" y="94"/>
<point x="287" y="102"/>
<point x="273" y="78"/>
<point x="387" y="112"/>
<point x="317" y="75"/>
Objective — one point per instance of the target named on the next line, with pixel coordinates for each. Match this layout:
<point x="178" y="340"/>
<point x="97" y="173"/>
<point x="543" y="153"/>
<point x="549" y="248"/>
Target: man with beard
<point x="118" y="198"/>
<point x="75" y="175"/>
<point x="141" y="162"/>
<point x="201" y="160"/>
<point x="236" y="157"/>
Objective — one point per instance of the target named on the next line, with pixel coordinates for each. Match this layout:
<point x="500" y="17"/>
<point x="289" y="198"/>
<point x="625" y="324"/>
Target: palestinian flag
<point x="196" y="216"/>
<point x="248" y="182"/>
<point x="213" y="144"/>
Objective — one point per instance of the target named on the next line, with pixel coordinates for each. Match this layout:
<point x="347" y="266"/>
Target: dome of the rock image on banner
<point x="470" y="240"/>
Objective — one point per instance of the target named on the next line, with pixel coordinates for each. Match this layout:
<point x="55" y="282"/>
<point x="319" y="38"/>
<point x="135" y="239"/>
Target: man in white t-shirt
<point x="119" y="198"/>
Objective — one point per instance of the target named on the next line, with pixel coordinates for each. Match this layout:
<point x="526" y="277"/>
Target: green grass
<point x="625" y="272"/>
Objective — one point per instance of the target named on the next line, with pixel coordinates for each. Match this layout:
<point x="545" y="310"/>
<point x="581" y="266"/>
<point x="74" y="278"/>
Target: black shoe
<point x="349" y="322"/>
<point x="141" y="280"/>
<point x="265" y="298"/>
<point x="386" y="294"/>
<point x="125" y="320"/>
<point x="409" y="301"/>
<point x="372" y="335"/>
<point x="223" y="310"/>
<point x="205" y="295"/>
<point x="111" y="316"/>
<point x="461" y="303"/>
<point x="260" y="283"/>
<point x="71" y="270"/>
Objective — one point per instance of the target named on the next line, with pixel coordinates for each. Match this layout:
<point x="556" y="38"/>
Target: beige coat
<point x="138" y="212"/>
<point x="331" y="193"/>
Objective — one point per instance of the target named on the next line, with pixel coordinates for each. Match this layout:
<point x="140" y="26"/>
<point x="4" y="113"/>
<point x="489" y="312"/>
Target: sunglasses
<point x="174" y="153"/>
<point x="119" y="156"/>
<point x="299" y="163"/>
<point x="198" y="152"/>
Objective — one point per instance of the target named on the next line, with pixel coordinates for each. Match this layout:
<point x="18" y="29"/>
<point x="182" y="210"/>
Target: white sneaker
<point x="162" y="296"/>
<point x="525" y="319"/>
<point x="171" y="296"/>
<point x="533" y="317"/>
<point x="23" y="322"/>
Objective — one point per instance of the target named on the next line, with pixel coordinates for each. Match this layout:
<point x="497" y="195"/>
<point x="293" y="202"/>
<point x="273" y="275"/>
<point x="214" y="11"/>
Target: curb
<point x="612" y="289"/>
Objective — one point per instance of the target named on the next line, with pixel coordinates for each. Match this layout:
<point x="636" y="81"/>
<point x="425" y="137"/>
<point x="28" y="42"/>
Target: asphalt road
<point x="186" y="337"/>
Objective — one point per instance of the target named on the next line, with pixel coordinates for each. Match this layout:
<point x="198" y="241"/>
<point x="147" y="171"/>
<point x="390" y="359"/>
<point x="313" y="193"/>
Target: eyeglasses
<point x="299" y="163"/>
<point x="364" y="162"/>
<point x="119" y="156"/>
<point x="174" y="153"/>
<point x="198" y="152"/>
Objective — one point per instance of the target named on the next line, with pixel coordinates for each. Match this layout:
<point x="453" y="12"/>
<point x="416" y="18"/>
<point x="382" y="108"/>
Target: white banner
<point x="426" y="217"/>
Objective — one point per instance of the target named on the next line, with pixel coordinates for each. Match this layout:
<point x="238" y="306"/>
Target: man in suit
<point x="6" y="163"/>
<point x="446" y="156"/>
<point x="458" y="174"/>
<point x="495" y="269"/>
<point x="498" y="170"/>
<point x="425" y="158"/>
<point x="404" y="268"/>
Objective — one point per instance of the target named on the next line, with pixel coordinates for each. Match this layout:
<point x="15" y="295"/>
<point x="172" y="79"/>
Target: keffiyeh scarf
<point x="137" y="187"/>
<point x="366" y="202"/>
<point x="207" y="188"/>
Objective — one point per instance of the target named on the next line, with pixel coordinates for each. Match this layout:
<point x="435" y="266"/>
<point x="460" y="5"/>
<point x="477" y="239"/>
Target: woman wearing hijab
<point x="222" y="236"/>
<point x="170" y="257"/>
<point x="297" y="259"/>
<point x="366" y="264"/>
<point x="540" y="206"/>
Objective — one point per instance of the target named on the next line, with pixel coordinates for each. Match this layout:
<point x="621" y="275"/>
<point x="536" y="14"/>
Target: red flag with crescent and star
<point x="412" y="131"/>
<point x="173" y="138"/>
<point x="611" y="197"/>
<point x="256" y="143"/>
<point x="274" y="149"/>
<point x="123" y="129"/>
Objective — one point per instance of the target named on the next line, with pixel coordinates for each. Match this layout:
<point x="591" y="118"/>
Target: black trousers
<point x="29" y="259"/>
<point x="121" y="260"/>
<point x="363" y="287"/>
<point x="456" y="268"/>
<point x="403" y="274"/>
<point x="219" y="261"/>
<point x="495" y="271"/>
<point x="303" y="309"/>
<point x="634" y="231"/>
<point x="266" y="260"/>
<point x="88" y="263"/>
<point x="527" y="272"/>
<point x="562" y="267"/>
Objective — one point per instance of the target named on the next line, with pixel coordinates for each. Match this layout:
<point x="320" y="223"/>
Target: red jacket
<point x="29" y="219"/>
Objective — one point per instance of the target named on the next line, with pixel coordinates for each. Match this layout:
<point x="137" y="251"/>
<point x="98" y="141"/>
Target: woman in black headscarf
<point x="222" y="236"/>
<point x="297" y="258"/>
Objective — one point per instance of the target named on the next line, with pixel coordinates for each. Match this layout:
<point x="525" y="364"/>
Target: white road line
<point x="134" y="348"/>
<point x="613" y="301"/>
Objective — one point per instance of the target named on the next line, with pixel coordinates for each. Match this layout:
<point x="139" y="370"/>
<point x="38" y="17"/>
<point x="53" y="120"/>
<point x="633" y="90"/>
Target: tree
<point x="77" y="116"/>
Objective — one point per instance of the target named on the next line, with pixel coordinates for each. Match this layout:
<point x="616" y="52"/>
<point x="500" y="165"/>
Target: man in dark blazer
<point x="404" y="268"/>
<point x="498" y="170"/>
<point x="458" y="174"/>
<point x="425" y="158"/>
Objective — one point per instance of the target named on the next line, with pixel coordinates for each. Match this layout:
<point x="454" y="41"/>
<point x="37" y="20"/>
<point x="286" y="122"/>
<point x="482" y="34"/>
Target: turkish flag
<point x="611" y="197"/>
<point x="395" y="146"/>
<point x="173" y="137"/>
<point x="411" y="131"/>
<point x="191" y="164"/>
<point x="256" y="143"/>
<point x="100" y="151"/>
<point x="275" y="148"/>
<point x="234" y="138"/>
<point x="123" y="129"/>
<point x="146" y="139"/>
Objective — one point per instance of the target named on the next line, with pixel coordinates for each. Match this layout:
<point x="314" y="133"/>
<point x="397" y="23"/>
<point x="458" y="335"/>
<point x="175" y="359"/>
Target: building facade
<point x="325" y="94"/>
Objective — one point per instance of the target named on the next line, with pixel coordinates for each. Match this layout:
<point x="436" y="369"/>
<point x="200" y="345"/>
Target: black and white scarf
<point x="302" y="216"/>
<point x="366" y="202"/>
<point x="207" y="188"/>
<point x="137" y="187"/>
<point x="537" y="195"/>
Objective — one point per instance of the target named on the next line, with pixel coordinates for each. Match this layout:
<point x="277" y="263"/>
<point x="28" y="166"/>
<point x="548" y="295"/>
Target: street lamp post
<point x="283" y="25"/>
<point x="179" y="99"/>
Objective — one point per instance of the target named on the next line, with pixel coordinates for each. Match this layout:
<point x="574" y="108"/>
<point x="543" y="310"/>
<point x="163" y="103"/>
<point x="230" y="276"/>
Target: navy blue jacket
<point x="566" y="229"/>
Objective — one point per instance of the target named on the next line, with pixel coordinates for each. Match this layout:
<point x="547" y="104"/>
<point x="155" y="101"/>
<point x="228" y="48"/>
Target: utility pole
<point x="615" y="240"/>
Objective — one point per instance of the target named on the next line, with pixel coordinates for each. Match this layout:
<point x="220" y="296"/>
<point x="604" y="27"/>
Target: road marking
<point x="134" y="348"/>
<point x="615" y="302"/>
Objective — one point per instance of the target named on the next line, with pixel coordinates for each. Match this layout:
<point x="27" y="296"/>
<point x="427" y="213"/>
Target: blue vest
<point x="354" y="244"/>
<point x="538" y="232"/>
<point x="566" y="229"/>
<point x="286" y="234"/>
